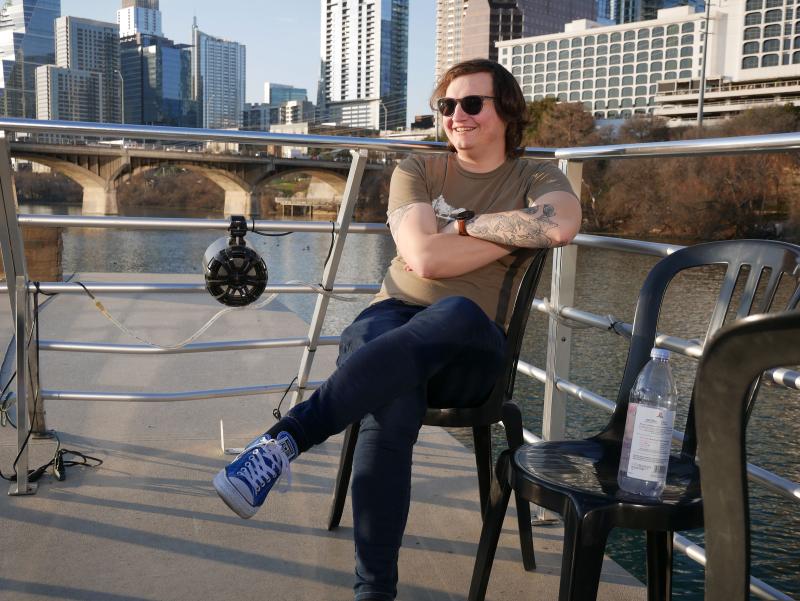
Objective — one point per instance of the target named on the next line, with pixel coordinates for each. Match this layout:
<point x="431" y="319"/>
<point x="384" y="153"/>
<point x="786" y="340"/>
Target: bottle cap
<point x="659" y="353"/>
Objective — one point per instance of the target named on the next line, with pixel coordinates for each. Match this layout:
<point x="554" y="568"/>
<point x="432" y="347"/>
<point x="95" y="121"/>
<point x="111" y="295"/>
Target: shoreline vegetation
<point x="692" y="198"/>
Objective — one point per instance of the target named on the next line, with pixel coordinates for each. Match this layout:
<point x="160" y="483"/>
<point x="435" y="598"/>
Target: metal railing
<point x="557" y="388"/>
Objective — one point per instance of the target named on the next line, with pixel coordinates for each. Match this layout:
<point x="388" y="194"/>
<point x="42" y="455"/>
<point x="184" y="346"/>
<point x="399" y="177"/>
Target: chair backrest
<point x="732" y="360"/>
<point x="532" y="261"/>
<point x="767" y="260"/>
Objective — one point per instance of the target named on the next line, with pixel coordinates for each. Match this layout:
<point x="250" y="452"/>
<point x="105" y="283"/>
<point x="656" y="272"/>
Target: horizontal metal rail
<point x="196" y="347"/>
<point x="656" y="249"/>
<point x="758" y="587"/>
<point x="782" y="486"/>
<point x="678" y="148"/>
<point x="161" y="397"/>
<point x="167" y="288"/>
<point x="691" y="348"/>
<point x="175" y="223"/>
<point x="741" y="144"/>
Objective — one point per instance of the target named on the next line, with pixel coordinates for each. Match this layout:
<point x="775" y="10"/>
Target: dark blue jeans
<point x="395" y="359"/>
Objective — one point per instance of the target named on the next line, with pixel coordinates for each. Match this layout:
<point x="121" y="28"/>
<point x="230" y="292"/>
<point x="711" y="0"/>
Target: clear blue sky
<point x="282" y="38"/>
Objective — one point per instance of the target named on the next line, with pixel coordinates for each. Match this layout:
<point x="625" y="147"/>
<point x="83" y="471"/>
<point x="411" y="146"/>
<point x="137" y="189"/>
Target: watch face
<point x="463" y="215"/>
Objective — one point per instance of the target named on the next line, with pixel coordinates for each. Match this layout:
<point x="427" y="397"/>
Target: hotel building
<point x="656" y="66"/>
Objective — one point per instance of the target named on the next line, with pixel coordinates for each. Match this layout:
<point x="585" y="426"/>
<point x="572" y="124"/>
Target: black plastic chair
<point x="578" y="478"/>
<point x="732" y="361"/>
<point x="480" y="417"/>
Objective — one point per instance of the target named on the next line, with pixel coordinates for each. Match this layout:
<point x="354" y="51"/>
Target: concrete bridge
<point x="99" y="169"/>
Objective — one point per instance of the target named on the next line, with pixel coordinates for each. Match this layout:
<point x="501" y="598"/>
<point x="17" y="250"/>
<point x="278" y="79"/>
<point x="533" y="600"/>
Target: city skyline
<point x="284" y="25"/>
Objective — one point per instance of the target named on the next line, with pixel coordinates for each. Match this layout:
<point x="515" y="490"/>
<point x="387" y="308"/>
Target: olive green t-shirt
<point x="441" y="181"/>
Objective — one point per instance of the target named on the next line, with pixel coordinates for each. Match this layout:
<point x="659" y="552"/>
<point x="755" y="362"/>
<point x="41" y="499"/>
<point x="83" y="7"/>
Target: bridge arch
<point x="325" y="190"/>
<point x="99" y="194"/>
<point x="240" y="197"/>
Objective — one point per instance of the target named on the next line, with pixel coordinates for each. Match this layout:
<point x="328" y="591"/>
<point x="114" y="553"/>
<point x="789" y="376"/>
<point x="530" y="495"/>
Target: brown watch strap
<point x="462" y="227"/>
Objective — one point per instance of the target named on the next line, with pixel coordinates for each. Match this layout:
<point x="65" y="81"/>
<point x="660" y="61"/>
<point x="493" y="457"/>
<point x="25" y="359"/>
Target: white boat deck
<point x="147" y="524"/>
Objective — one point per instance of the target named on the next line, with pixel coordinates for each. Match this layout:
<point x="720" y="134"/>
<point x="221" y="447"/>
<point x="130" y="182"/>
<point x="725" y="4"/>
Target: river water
<point x="607" y="283"/>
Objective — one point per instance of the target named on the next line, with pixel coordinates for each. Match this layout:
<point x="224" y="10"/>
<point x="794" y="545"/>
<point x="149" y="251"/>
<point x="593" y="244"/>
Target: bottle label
<point x="650" y="443"/>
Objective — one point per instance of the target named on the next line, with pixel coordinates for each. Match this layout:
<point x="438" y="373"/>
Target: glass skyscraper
<point x="629" y="11"/>
<point x="27" y="41"/>
<point x="158" y="81"/>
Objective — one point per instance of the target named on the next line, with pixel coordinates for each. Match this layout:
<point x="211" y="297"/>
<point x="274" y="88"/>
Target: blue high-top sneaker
<point x="245" y="482"/>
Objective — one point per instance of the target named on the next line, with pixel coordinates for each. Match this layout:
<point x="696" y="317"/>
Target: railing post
<point x="22" y="486"/>
<point x="559" y="336"/>
<point x="13" y="252"/>
<point x="344" y="218"/>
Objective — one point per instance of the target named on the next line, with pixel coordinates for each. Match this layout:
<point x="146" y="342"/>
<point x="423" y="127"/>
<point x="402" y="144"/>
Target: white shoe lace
<point x="260" y="467"/>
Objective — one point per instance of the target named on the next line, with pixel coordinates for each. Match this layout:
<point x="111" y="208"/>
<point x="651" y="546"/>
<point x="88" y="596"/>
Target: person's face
<point x="483" y="133"/>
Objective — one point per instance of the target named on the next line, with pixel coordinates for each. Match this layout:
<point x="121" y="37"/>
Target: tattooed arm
<point x="437" y="253"/>
<point x="553" y="220"/>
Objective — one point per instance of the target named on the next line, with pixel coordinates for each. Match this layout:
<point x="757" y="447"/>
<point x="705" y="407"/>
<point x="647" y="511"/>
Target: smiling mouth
<point x="462" y="130"/>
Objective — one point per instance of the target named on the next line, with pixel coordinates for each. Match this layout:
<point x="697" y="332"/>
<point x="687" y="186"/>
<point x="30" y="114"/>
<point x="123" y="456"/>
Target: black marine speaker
<point x="235" y="273"/>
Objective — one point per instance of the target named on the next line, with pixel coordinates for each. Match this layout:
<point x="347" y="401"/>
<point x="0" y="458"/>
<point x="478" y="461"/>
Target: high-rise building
<point x="26" y="41"/>
<point x="156" y="72"/>
<point x="364" y="52"/>
<point x="296" y="111"/>
<point x="157" y="76"/>
<point x="278" y="93"/>
<point x="88" y="46"/>
<point x="139" y="16"/>
<point x="218" y="80"/>
<point x="68" y="94"/>
<point x="259" y="116"/>
<point x="630" y="11"/>
<point x="606" y="9"/>
<point x="655" y="66"/>
<point x="468" y="29"/>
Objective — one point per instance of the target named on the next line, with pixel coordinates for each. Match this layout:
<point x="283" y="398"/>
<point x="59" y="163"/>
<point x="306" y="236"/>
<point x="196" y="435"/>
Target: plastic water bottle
<point x="648" y="429"/>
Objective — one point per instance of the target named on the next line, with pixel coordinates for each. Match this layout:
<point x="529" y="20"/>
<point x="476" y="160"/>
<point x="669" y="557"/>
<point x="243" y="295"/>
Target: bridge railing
<point x="20" y="289"/>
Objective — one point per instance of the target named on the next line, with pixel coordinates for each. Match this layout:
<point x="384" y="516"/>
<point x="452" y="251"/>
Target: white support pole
<point x="329" y="274"/>
<point x="559" y="337"/>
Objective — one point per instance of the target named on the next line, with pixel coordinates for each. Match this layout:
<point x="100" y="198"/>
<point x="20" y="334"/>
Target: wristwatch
<point x="461" y="221"/>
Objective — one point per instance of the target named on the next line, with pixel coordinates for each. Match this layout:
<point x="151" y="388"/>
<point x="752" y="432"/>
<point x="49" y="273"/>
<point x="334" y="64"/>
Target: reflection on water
<point x="608" y="284"/>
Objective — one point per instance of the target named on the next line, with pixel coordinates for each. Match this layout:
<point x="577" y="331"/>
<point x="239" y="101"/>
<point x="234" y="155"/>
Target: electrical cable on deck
<point x="100" y="307"/>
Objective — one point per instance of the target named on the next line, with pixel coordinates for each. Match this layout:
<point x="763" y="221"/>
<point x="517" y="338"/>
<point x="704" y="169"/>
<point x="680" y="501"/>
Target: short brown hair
<point x="509" y="101"/>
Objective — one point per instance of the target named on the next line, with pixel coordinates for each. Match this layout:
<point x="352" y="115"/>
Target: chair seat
<point x="586" y="472"/>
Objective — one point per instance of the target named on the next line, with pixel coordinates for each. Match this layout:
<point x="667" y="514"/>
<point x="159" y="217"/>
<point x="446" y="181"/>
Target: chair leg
<point x="490" y="533"/>
<point x="343" y="476"/>
<point x="481" y="436"/>
<point x="525" y="534"/>
<point x="512" y="422"/>
<point x="582" y="559"/>
<point x="659" y="566"/>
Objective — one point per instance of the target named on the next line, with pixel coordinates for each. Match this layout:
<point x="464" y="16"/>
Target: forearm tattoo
<point x="524" y="228"/>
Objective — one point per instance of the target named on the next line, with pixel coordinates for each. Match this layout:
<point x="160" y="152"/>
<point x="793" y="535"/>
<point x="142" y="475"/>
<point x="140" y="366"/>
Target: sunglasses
<point x="471" y="105"/>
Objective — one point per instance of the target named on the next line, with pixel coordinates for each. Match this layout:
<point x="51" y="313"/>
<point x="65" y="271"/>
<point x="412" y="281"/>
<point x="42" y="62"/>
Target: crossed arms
<point x="435" y="252"/>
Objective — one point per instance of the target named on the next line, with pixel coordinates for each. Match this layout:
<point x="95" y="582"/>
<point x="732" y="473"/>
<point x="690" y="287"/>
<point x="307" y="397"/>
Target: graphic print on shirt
<point x="445" y="213"/>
